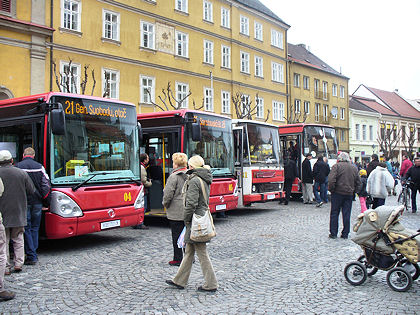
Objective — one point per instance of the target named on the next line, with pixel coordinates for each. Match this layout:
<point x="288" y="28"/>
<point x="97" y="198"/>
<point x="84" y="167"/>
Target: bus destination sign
<point x="95" y="108"/>
<point x="212" y="122"/>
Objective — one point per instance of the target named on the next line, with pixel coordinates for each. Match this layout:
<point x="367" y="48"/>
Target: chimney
<point x="396" y="90"/>
<point x="302" y="45"/>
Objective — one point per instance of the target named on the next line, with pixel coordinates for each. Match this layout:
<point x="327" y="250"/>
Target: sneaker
<point x="332" y="236"/>
<point x="170" y="282"/>
<point x="200" y="288"/>
<point x="6" y="295"/>
<point x="175" y="262"/>
<point x="319" y="204"/>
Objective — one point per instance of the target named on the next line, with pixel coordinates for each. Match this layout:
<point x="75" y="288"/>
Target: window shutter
<point x="5" y="5"/>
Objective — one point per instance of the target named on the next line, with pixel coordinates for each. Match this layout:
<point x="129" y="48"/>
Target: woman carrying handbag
<point x="196" y="200"/>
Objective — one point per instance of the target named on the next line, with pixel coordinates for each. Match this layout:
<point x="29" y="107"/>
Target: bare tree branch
<point x="57" y="80"/>
<point x="198" y="108"/>
<point x="94" y="81"/>
<point x="84" y="82"/>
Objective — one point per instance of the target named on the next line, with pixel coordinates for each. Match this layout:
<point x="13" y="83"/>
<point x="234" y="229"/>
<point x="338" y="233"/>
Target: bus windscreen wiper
<point x="74" y="188"/>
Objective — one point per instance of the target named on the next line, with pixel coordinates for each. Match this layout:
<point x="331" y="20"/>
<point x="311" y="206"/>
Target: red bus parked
<point x="191" y="132"/>
<point x="89" y="148"/>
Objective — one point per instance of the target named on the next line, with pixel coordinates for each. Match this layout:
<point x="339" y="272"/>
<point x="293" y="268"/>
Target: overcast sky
<point x="373" y="42"/>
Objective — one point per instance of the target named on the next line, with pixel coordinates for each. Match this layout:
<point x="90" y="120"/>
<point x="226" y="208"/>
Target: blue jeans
<point x="340" y="203"/>
<point x="413" y="198"/>
<point x="32" y="231"/>
<point x="322" y="190"/>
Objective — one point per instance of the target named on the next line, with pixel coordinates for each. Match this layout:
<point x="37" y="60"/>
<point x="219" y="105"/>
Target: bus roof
<point x="240" y="121"/>
<point x="180" y="112"/>
<point x="298" y="128"/>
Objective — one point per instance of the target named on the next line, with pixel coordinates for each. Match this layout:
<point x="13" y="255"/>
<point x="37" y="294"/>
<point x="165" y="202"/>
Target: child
<point x="363" y="193"/>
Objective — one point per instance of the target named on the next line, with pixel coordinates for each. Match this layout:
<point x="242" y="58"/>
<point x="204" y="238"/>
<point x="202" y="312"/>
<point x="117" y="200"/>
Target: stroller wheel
<point x="355" y="273"/>
<point x="399" y="279"/>
<point x="371" y="270"/>
<point x="413" y="269"/>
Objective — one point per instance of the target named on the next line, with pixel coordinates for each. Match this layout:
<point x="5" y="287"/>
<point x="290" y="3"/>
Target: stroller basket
<point x="379" y="260"/>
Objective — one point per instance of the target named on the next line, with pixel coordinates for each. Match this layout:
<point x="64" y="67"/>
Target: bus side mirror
<point x="140" y="132"/>
<point x="196" y="131"/>
<point x="58" y="121"/>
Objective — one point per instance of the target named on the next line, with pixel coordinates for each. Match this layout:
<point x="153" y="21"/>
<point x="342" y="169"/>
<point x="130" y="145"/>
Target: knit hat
<point x="196" y="161"/>
<point x="5" y="155"/>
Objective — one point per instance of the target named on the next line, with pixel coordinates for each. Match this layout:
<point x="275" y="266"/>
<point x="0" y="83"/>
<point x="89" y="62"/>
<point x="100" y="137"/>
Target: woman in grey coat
<point x="172" y="201"/>
<point x="195" y="201"/>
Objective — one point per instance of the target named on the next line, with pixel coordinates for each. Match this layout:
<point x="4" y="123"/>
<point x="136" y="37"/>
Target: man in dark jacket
<point x="13" y="207"/>
<point x="343" y="183"/>
<point x="413" y="174"/>
<point x="320" y="172"/>
<point x="373" y="164"/>
<point x="290" y="173"/>
<point x="41" y="182"/>
<point x="307" y="179"/>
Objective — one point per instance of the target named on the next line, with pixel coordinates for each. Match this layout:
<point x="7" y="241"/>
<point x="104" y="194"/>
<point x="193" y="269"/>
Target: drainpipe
<point x="287" y="78"/>
<point x="51" y="43"/>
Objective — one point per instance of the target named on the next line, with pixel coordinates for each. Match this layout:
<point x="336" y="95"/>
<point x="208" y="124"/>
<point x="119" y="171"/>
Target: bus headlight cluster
<point x="64" y="206"/>
<point x="254" y="188"/>
<point x="139" y="203"/>
<point x="280" y="186"/>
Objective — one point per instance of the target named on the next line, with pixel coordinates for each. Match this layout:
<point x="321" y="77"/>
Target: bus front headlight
<point x="254" y="188"/>
<point x="64" y="206"/>
<point x="139" y="203"/>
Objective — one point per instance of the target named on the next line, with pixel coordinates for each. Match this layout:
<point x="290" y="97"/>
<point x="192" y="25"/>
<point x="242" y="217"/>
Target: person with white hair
<point x="343" y="183"/>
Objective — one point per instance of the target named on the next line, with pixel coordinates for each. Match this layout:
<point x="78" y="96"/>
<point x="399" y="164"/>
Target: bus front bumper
<point x="262" y="197"/>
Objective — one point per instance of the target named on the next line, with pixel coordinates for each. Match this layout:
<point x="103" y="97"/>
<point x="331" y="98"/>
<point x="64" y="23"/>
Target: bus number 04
<point x="127" y="196"/>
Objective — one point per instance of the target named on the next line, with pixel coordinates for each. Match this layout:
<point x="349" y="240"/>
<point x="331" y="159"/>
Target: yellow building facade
<point x="211" y="48"/>
<point x="317" y="93"/>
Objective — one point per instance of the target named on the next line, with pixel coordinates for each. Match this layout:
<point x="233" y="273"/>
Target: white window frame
<point x="306" y="107"/>
<point x="306" y="82"/>
<point x="297" y="106"/>
<point x="357" y="131"/>
<point x="71" y="14"/>
<point x="244" y="62"/>
<point x="244" y="25"/>
<point x="114" y="93"/>
<point x="207" y="11"/>
<point x="342" y="91"/>
<point x="325" y="111"/>
<point x="225" y="100"/>
<point x="258" y="31"/>
<point x="208" y="51"/>
<point x="114" y="25"/>
<point x="245" y="99"/>
<point x="181" y="5"/>
<point x="181" y="45"/>
<point x="296" y="79"/>
<point x="259" y="101"/>
<point x="182" y="90"/>
<point x="278" y="111"/>
<point x="317" y="110"/>
<point x="364" y="132"/>
<point x="277" y="39"/>
<point x="225" y="17"/>
<point x="277" y="70"/>
<point x="259" y="66"/>
<point x="343" y="136"/>
<point x="225" y="57"/>
<point x="343" y="113"/>
<point x="336" y="112"/>
<point x="334" y="89"/>
<point x="76" y="77"/>
<point x="149" y="33"/>
<point x="325" y="90"/>
<point x="150" y="87"/>
<point x="208" y="99"/>
<point x="370" y="132"/>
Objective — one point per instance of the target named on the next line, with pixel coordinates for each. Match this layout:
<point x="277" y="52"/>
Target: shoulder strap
<point x="203" y="190"/>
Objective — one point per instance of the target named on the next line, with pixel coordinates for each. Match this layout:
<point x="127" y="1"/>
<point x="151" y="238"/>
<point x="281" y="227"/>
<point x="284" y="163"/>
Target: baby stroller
<point x="388" y="246"/>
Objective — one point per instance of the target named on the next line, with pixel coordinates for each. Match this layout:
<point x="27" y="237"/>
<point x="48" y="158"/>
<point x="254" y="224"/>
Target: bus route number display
<point x="209" y="122"/>
<point x="101" y="109"/>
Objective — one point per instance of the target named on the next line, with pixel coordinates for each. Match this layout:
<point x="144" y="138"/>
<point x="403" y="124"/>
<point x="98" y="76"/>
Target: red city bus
<point x="257" y="161"/>
<point x="191" y="132"/>
<point x="89" y="148"/>
<point x="301" y="139"/>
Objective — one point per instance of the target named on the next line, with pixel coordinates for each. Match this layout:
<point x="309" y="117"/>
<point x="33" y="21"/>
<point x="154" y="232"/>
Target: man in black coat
<point x="413" y="174"/>
<point x="320" y="172"/>
<point x="290" y="173"/>
<point x="373" y="164"/>
<point x="307" y="179"/>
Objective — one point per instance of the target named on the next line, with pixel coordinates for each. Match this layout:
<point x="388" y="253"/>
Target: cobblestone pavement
<point x="269" y="259"/>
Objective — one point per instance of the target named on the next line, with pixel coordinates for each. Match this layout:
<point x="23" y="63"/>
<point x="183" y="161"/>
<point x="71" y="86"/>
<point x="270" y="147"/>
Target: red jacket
<point x="405" y="166"/>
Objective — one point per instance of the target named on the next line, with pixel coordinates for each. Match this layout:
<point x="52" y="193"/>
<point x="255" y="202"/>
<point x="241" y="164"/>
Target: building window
<point x="316" y="88"/>
<point x="182" y="44"/>
<point x="181" y="5"/>
<point x="207" y="11"/>
<point x="296" y="79"/>
<point x="334" y="89"/>
<point x="342" y="91"/>
<point x="403" y="134"/>
<point x="111" y="83"/>
<point x="225" y="57"/>
<point x="343" y="135"/>
<point x="208" y="99"/>
<point x="70" y="77"/>
<point x="244" y="62"/>
<point x="297" y="106"/>
<point x="306" y="106"/>
<point x="364" y="131"/>
<point x="325" y="90"/>
<point x="370" y="133"/>
<point x="277" y="39"/>
<point x="277" y="72"/>
<point x="306" y="82"/>
<point x="111" y="23"/>
<point x="208" y="52"/>
<point x="71" y="13"/>
<point x="258" y="30"/>
<point x="278" y="111"/>
<point x="147" y="89"/>
<point x="325" y="112"/>
<point x="259" y="66"/>
<point x="259" y="101"/>
<point x="317" y="110"/>
<point x="245" y="104"/>
<point x="244" y="27"/>
<point x="225" y="102"/>
<point x="334" y="112"/>
<point x="225" y="17"/>
<point x="343" y="114"/>
<point x="357" y="132"/>
<point x="147" y="35"/>
<point x="6" y="6"/>
<point x="182" y="94"/>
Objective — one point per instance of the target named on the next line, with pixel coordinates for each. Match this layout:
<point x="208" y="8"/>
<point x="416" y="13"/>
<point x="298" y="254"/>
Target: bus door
<point x="292" y="147"/>
<point x="238" y="145"/>
<point x="159" y="145"/>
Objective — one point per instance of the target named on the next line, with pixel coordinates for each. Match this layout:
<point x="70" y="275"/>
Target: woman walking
<point x="195" y="201"/>
<point x="172" y="201"/>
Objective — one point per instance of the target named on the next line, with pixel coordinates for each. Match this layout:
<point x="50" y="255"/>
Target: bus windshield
<point x="321" y="140"/>
<point x="215" y="146"/>
<point x="261" y="144"/>
<point x="101" y="140"/>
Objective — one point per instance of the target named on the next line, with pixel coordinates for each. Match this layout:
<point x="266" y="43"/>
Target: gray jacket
<point x="13" y="205"/>
<point x="194" y="200"/>
<point x="172" y="194"/>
